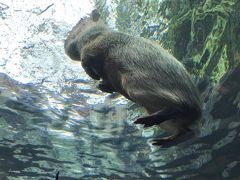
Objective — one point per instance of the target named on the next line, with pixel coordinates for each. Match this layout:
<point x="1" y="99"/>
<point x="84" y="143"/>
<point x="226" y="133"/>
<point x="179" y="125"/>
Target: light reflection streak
<point x="61" y="133"/>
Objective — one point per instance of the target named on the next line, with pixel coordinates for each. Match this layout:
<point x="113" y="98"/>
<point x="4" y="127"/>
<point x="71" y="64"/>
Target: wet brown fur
<point x="140" y="70"/>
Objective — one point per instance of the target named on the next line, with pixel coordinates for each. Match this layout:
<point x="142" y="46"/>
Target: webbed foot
<point x="158" y="117"/>
<point x="164" y="142"/>
<point x="174" y="139"/>
<point x="146" y="121"/>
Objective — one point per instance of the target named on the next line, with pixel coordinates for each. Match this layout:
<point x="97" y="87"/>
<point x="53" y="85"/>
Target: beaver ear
<point x="95" y="15"/>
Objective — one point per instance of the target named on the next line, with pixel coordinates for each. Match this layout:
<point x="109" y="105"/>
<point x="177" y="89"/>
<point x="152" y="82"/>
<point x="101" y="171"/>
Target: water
<point x="53" y="119"/>
<point x="43" y="132"/>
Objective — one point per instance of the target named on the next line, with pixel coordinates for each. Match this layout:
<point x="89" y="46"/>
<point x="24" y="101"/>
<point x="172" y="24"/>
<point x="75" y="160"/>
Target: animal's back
<point x="149" y="74"/>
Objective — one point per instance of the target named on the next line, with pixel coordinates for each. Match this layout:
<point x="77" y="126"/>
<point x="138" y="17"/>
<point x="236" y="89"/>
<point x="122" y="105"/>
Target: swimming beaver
<point x="140" y="70"/>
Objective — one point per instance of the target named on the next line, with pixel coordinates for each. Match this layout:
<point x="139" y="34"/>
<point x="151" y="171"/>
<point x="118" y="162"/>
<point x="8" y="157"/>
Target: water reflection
<point x="60" y="122"/>
<point x="75" y="133"/>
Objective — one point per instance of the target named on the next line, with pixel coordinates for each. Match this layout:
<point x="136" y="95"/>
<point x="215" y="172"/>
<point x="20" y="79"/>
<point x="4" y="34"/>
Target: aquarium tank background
<point x="53" y="119"/>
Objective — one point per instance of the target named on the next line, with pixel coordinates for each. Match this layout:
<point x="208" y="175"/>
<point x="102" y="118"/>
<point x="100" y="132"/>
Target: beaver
<point x="139" y="69"/>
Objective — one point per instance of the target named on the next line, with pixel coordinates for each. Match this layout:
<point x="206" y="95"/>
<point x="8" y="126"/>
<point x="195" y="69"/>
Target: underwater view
<point x="61" y="120"/>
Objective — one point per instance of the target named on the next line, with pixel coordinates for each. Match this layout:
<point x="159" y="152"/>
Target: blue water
<point x="43" y="132"/>
<point x="53" y="119"/>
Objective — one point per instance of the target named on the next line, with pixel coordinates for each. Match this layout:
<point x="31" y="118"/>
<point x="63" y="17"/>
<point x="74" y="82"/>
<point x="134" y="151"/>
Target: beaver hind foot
<point x="161" y="116"/>
<point x="158" y="117"/>
<point x="174" y="139"/>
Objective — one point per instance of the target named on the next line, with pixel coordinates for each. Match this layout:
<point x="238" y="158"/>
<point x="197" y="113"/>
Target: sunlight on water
<point x="52" y="117"/>
<point x="22" y="20"/>
<point x="61" y="134"/>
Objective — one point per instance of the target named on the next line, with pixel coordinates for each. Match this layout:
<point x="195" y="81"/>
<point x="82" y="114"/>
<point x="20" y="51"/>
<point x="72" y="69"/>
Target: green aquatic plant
<point x="204" y="35"/>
